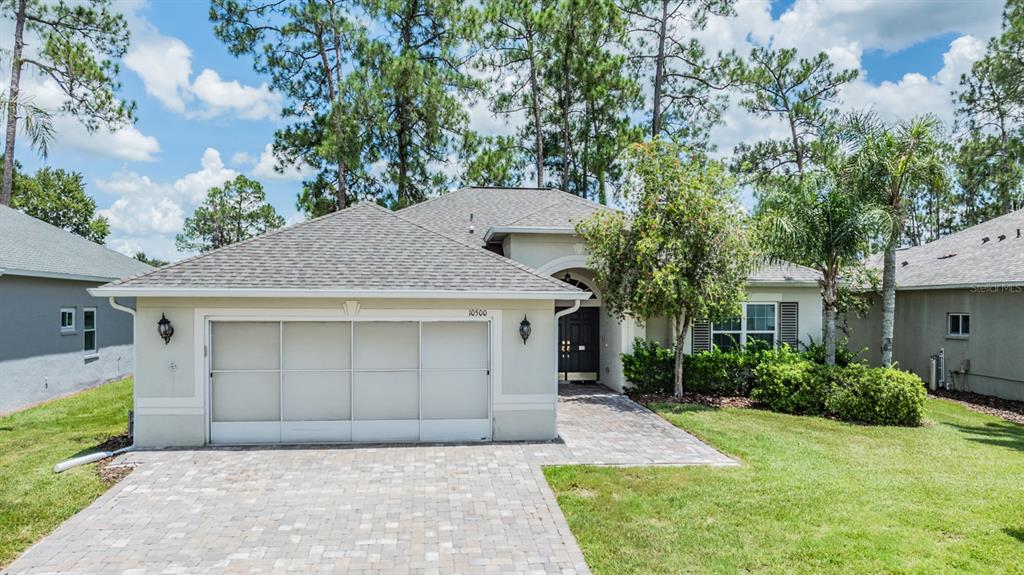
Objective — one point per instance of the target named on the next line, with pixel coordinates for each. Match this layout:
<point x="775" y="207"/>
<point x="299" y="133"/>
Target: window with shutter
<point x="789" y="321"/>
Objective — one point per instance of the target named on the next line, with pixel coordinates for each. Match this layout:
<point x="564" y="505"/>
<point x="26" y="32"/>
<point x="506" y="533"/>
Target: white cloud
<point x="147" y="214"/>
<point x="164" y="64"/>
<point x="265" y="167"/>
<point x="242" y="159"/>
<point x="221" y="96"/>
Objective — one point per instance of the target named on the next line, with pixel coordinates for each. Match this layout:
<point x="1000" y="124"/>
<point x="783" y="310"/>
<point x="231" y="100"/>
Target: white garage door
<point x="306" y="381"/>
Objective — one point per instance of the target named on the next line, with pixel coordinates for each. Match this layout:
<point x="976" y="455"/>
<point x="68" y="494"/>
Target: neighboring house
<point x="371" y="325"/>
<point x="57" y="338"/>
<point x="962" y="295"/>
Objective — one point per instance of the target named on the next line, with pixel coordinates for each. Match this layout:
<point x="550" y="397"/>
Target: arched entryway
<point x="579" y="333"/>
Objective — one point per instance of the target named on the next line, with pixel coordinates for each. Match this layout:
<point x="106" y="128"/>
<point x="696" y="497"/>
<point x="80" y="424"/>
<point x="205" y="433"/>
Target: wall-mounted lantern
<point x="525" y="329"/>
<point x="165" y="328"/>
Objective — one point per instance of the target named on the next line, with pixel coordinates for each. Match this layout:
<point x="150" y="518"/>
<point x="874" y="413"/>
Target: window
<point x="958" y="324"/>
<point x="89" y="330"/>
<point x="756" y="327"/>
<point x="67" y="320"/>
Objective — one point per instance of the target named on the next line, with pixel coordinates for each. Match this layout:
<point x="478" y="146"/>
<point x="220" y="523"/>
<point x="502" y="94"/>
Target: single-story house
<point x="57" y="338"/>
<point x="961" y="297"/>
<point x="450" y="320"/>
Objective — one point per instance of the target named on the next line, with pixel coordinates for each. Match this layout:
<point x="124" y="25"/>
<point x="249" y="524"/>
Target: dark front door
<point x="577" y="345"/>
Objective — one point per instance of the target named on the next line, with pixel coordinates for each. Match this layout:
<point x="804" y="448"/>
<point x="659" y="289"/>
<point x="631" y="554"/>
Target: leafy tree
<point x="420" y="84"/>
<point x="588" y="119"/>
<point x="236" y="211"/>
<point x="491" y="161"/>
<point x="77" y="46"/>
<point x="687" y="96"/>
<point x="681" y="250"/>
<point x="990" y="160"/>
<point x="312" y="53"/>
<point x="514" y="39"/>
<point x="778" y="84"/>
<point x="822" y="222"/>
<point x="157" y="263"/>
<point x="892" y="166"/>
<point x="58" y="197"/>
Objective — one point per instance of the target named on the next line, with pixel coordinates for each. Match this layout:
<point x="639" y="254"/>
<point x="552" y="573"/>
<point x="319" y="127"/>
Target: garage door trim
<point x="286" y="432"/>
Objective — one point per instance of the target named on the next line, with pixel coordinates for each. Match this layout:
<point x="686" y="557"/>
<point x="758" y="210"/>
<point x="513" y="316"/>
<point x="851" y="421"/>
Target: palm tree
<point x="891" y="166"/>
<point x="36" y="124"/>
<point x="820" y="222"/>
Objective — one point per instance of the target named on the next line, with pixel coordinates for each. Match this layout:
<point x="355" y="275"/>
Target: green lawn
<point x="812" y="496"/>
<point x="33" y="499"/>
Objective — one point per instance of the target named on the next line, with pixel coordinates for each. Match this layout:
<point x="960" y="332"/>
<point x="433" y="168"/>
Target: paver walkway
<point x="386" y="509"/>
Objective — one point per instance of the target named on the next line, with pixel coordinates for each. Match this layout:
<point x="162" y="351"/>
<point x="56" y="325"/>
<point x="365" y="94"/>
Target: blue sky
<point x="204" y="115"/>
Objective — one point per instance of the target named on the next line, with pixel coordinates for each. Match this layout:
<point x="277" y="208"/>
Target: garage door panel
<point x="246" y="345"/>
<point x="317" y="396"/>
<point x="455" y="395"/>
<point x="316" y="431"/>
<point x="317" y="345"/>
<point x="386" y="345"/>
<point x="386" y="395"/>
<point x="455" y="345"/>
<point x="246" y="396"/>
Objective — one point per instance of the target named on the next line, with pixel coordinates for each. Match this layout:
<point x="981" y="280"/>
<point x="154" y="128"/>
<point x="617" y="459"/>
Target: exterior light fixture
<point x="525" y="329"/>
<point x="165" y="329"/>
<point x="567" y="278"/>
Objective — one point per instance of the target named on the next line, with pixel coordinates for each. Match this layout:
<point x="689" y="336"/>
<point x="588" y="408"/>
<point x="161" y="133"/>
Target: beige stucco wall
<point x="995" y="346"/>
<point x="171" y="391"/>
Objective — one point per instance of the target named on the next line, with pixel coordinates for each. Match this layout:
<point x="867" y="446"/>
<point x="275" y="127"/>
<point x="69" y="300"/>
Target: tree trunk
<point x="12" y="105"/>
<point x="538" y="136"/>
<point x="829" y="292"/>
<point x="888" y="302"/>
<point x="683" y="324"/>
<point x="659" y="72"/>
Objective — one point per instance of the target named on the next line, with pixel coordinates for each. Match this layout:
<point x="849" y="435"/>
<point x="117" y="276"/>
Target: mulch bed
<point x="1007" y="409"/>
<point x="696" y="398"/>
<point x="108" y="471"/>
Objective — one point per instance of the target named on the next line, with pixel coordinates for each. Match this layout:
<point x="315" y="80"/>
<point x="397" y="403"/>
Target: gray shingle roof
<point x="364" y="248"/>
<point x="784" y="272"/>
<point x="965" y="258"/>
<point x="32" y="247"/>
<point x="451" y="213"/>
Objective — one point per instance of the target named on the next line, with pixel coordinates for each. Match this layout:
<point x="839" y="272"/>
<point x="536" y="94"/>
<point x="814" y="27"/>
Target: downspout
<point x="559" y="314"/>
<point x="99" y="455"/>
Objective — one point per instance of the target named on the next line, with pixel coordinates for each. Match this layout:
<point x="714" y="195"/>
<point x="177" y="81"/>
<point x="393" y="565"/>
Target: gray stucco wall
<point x="37" y="360"/>
<point x="995" y="346"/>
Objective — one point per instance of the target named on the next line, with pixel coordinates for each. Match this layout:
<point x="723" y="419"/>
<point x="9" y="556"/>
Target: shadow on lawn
<point x="1005" y="434"/>
<point x="1016" y="533"/>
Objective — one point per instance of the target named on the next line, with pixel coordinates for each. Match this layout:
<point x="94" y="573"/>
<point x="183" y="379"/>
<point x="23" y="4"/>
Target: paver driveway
<point x="396" y="509"/>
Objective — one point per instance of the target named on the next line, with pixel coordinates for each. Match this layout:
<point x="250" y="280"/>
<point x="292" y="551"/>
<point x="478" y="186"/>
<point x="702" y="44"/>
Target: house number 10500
<point x="477" y="313"/>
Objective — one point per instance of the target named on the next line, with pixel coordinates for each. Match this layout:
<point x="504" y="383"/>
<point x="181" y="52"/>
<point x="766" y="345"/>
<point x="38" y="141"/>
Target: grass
<point x="33" y="499"/>
<point x="812" y="496"/>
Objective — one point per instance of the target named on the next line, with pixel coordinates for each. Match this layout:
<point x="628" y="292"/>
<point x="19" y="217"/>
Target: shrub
<point x="718" y="372"/>
<point x="715" y="372"/>
<point x="797" y="387"/>
<point x="650" y="368"/>
<point x="878" y="396"/>
<point x="815" y="352"/>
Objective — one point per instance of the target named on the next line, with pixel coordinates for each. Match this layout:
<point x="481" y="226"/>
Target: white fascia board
<point x="789" y="283"/>
<point x="118" y="291"/>
<point x="978" y="285"/>
<point x="55" y="275"/>
<point x="495" y="232"/>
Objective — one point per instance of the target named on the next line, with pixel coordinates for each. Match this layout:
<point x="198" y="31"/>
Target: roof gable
<point x="32" y="247"/>
<point x="364" y="248"/>
<point x="468" y="213"/>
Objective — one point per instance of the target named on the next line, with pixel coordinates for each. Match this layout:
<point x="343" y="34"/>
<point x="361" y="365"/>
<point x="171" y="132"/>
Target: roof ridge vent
<point x="946" y="257"/>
